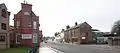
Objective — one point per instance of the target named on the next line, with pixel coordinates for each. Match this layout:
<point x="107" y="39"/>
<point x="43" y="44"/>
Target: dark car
<point x="45" y="41"/>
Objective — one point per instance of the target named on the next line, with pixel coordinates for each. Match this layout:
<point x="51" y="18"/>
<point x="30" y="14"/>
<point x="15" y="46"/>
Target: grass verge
<point x="15" y="50"/>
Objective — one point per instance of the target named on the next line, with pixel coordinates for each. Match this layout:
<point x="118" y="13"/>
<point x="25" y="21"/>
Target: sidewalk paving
<point x="46" y="50"/>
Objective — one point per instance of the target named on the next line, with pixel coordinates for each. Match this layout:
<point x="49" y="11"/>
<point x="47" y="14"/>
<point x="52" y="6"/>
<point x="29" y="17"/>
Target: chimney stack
<point x="9" y="13"/>
<point x="62" y="30"/>
<point x="76" y="24"/>
<point x="67" y="27"/>
<point x="26" y="7"/>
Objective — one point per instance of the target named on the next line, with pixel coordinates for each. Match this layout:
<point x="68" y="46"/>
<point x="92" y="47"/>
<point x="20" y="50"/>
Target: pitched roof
<point x="3" y="4"/>
<point x="73" y="27"/>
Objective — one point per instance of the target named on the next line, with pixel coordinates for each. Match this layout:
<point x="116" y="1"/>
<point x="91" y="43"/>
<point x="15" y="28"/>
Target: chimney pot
<point x="75" y="23"/>
<point x="67" y="27"/>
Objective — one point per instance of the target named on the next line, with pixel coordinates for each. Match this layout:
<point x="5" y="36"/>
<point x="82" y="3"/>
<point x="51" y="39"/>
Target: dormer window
<point x="3" y="13"/>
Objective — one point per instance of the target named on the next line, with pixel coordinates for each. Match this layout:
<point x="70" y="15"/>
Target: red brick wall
<point x="24" y="20"/>
<point x="26" y="42"/>
<point x="26" y="7"/>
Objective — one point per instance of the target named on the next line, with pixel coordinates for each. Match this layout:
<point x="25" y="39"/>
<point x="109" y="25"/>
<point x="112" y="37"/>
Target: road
<point x="73" y="48"/>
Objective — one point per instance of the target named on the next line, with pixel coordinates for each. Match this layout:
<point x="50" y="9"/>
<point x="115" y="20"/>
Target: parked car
<point x="45" y="41"/>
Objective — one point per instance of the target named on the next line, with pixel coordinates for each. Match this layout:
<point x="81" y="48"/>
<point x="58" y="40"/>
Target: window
<point x="2" y="38"/>
<point x="4" y="13"/>
<point x="3" y="26"/>
<point x="30" y="23"/>
<point x="18" y="24"/>
<point x="34" y="25"/>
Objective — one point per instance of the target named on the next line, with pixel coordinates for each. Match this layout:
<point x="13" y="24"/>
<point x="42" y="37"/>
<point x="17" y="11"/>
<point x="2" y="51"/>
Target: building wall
<point x="84" y="30"/>
<point x="12" y="36"/>
<point x="3" y="45"/>
<point x="66" y="37"/>
<point x="77" y="34"/>
<point x="5" y="33"/>
<point x="70" y="35"/>
<point x="114" y="41"/>
<point x="41" y="36"/>
<point x="26" y="24"/>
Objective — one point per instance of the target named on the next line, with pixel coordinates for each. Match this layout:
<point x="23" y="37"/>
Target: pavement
<point x="73" y="48"/>
<point x="45" y="48"/>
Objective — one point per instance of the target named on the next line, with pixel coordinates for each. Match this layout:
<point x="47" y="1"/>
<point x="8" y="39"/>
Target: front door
<point x="18" y="38"/>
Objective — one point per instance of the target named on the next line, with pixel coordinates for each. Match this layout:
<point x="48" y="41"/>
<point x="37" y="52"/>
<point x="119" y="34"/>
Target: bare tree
<point x="116" y="28"/>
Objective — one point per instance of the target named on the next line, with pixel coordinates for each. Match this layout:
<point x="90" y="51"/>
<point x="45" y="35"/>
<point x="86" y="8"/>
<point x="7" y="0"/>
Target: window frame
<point x="34" y="25"/>
<point x="18" y="23"/>
<point x="4" y="13"/>
<point x="4" y="35"/>
<point x="4" y="26"/>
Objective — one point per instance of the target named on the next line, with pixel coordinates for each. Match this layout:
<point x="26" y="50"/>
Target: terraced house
<point x="79" y="34"/>
<point x="26" y="24"/>
<point x="4" y="27"/>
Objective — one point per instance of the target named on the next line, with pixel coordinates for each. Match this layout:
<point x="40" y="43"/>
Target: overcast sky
<point x="56" y="14"/>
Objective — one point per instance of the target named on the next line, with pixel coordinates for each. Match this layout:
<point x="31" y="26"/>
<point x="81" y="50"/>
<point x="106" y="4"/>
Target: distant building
<point x="80" y="33"/>
<point x="4" y="27"/>
<point x="114" y="40"/>
<point x="26" y="23"/>
<point x="60" y="37"/>
<point x="100" y="37"/>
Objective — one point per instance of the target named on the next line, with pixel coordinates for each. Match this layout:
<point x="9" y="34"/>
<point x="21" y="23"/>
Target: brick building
<point x="12" y="36"/>
<point x="25" y="24"/>
<point x="4" y="27"/>
<point x="41" y="35"/>
<point x="80" y="33"/>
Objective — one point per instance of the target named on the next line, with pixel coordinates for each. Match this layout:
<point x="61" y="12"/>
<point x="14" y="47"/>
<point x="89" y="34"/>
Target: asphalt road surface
<point x="73" y="48"/>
